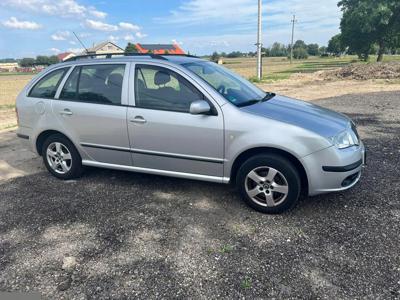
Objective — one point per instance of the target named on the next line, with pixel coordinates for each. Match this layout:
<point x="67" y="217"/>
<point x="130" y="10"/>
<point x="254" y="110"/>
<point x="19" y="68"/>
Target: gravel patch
<point x="119" y="235"/>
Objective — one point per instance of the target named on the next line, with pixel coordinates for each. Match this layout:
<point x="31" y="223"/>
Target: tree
<point x="42" y="60"/>
<point x="300" y="53"/>
<point x="313" y="49"/>
<point x="368" y="22"/>
<point x="27" y="62"/>
<point x="131" y="48"/>
<point x="278" y="50"/>
<point x="53" y="59"/>
<point x="335" y="45"/>
<point x="215" y="56"/>
<point x="234" y="54"/>
<point x="299" y="44"/>
<point x="323" y="50"/>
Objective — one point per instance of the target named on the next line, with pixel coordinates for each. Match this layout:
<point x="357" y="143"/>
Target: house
<point x="8" y="67"/>
<point x="105" y="47"/>
<point x="159" y="48"/>
<point x="64" y="56"/>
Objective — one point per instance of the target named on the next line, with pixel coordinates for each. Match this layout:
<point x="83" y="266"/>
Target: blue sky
<point x="32" y="27"/>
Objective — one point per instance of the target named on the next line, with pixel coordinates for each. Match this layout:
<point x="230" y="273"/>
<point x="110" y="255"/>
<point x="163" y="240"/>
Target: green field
<point x="279" y="68"/>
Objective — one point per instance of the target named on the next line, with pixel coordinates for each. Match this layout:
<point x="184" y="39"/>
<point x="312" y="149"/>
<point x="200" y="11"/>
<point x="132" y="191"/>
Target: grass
<point x="279" y="68"/>
<point x="8" y="126"/>
<point x="222" y="250"/>
<point x="246" y="283"/>
<point x="7" y="106"/>
<point x="17" y="73"/>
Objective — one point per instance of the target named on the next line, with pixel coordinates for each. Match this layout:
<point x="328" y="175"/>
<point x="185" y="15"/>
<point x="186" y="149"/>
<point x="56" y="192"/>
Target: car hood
<point x="312" y="117"/>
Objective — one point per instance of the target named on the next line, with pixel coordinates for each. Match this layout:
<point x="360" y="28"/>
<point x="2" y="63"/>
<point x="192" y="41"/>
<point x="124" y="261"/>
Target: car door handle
<point x="138" y="119"/>
<point x="66" y="112"/>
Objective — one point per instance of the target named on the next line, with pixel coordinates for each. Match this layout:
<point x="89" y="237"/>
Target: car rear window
<point x="47" y="86"/>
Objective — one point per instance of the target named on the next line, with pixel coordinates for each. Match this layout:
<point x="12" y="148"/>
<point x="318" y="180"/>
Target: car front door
<point x="91" y="107"/>
<point x="164" y="135"/>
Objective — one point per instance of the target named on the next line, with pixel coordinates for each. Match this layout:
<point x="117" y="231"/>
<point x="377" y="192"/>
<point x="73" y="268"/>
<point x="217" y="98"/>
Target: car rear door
<point x="91" y="107"/>
<point x="163" y="134"/>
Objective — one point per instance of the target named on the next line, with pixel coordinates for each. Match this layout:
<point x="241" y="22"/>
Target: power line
<point x="291" y="44"/>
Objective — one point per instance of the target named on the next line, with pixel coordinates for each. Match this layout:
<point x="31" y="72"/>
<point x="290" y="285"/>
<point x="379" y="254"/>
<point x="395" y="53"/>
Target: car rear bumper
<point x="25" y="136"/>
<point x="333" y="170"/>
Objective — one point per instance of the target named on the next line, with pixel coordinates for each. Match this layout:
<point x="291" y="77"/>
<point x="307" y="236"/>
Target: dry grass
<point x="10" y="86"/>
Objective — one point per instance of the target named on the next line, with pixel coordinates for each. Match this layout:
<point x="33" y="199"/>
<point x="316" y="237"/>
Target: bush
<point x="300" y="53"/>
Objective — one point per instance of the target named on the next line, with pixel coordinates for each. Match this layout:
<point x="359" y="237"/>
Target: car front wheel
<point x="269" y="183"/>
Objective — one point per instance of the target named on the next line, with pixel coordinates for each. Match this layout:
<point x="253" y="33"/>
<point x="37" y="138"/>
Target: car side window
<point x="47" y="86"/>
<point x="162" y="89"/>
<point x="95" y="84"/>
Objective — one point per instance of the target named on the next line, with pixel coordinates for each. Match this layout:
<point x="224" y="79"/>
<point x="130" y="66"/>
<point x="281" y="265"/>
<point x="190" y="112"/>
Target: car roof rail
<point x="110" y="55"/>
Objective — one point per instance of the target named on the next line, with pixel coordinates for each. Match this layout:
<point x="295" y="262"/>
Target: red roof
<point x="62" y="56"/>
<point x="159" y="48"/>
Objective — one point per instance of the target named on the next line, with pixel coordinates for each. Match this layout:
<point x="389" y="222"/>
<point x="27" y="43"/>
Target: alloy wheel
<point x="59" y="157"/>
<point x="266" y="186"/>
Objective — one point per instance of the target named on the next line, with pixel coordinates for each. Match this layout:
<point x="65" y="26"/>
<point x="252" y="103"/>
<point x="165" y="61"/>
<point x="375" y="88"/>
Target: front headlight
<point x="345" y="139"/>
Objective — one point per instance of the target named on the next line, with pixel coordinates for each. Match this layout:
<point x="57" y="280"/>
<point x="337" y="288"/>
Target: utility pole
<point x="259" y="44"/>
<point x="291" y="44"/>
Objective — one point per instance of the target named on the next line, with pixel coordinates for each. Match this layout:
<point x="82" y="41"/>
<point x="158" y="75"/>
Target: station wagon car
<point x="186" y="117"/>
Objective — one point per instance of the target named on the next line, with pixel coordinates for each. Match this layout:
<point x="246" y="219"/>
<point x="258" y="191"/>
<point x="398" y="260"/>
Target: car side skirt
<point x="216" y="179"/>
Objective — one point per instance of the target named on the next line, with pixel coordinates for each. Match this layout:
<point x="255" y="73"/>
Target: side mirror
<point x="199" y="107"/>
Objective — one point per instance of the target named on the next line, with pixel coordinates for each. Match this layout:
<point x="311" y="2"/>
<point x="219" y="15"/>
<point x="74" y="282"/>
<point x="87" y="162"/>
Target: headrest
<point x="115" y="80"/>
<point x="85" y="81"/>
<point x="161" y="78"/>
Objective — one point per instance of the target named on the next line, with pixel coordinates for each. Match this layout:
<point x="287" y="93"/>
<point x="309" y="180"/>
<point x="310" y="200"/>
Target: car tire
<point x="269" y="183"/>
<point x="61" y="157"/>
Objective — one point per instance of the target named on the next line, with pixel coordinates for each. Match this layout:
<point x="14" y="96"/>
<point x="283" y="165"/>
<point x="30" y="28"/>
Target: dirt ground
<point x="120" y="235"/>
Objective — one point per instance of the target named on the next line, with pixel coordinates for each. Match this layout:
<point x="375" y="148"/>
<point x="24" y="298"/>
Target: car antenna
<point x="83" y="45"/>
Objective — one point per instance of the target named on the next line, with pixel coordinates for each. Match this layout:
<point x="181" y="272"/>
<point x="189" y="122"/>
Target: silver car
<point x="186" y="117"/>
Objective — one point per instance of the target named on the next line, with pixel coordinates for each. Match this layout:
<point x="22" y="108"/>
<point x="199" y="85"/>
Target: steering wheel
<point x="221" y="89"/>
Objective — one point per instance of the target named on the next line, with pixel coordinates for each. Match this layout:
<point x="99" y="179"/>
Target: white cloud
<point x="63" y="8"/>
<point x="113" y="38"/>
<point x="14" y="23"/>
<point x="128" y="26"/>
<point x="233" y="23"/>
<point x="76" y="50"/>
<point x="55" y="50"/>
<point x="176" y="42"/>
<point x="101" y="26"/>
<point x="72" y="42"/>
<point x="140" y="35"/>
<point x="60" y="36"/>
<point x="96" y="13"/>
<point x="241" y="15"/>
<point x="129" y="37"/>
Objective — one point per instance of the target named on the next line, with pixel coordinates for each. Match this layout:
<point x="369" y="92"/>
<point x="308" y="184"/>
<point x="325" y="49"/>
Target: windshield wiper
<point x="267" y="97"/>
<point x="250" y="102"/>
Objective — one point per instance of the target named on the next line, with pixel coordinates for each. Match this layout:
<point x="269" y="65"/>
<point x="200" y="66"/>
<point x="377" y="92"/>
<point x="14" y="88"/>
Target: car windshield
<point x="234" y="88"/>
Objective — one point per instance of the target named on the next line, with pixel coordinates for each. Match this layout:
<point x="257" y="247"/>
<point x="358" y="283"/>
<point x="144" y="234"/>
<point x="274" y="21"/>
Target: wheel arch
<point x="242" y="157"/>
<point x="44" y="135"/>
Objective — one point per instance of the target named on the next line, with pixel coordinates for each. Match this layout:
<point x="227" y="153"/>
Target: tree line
<point x="301" y="50"/>
<point x="368" y="27"/>
<point x="40" y="60"/>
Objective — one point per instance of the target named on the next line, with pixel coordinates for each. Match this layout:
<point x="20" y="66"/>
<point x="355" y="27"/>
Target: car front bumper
<point x="333" y="169"/>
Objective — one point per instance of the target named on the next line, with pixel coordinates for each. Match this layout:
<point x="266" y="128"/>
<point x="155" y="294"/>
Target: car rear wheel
<point x="61" y="157"/>
<point x="269" y="183"/>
